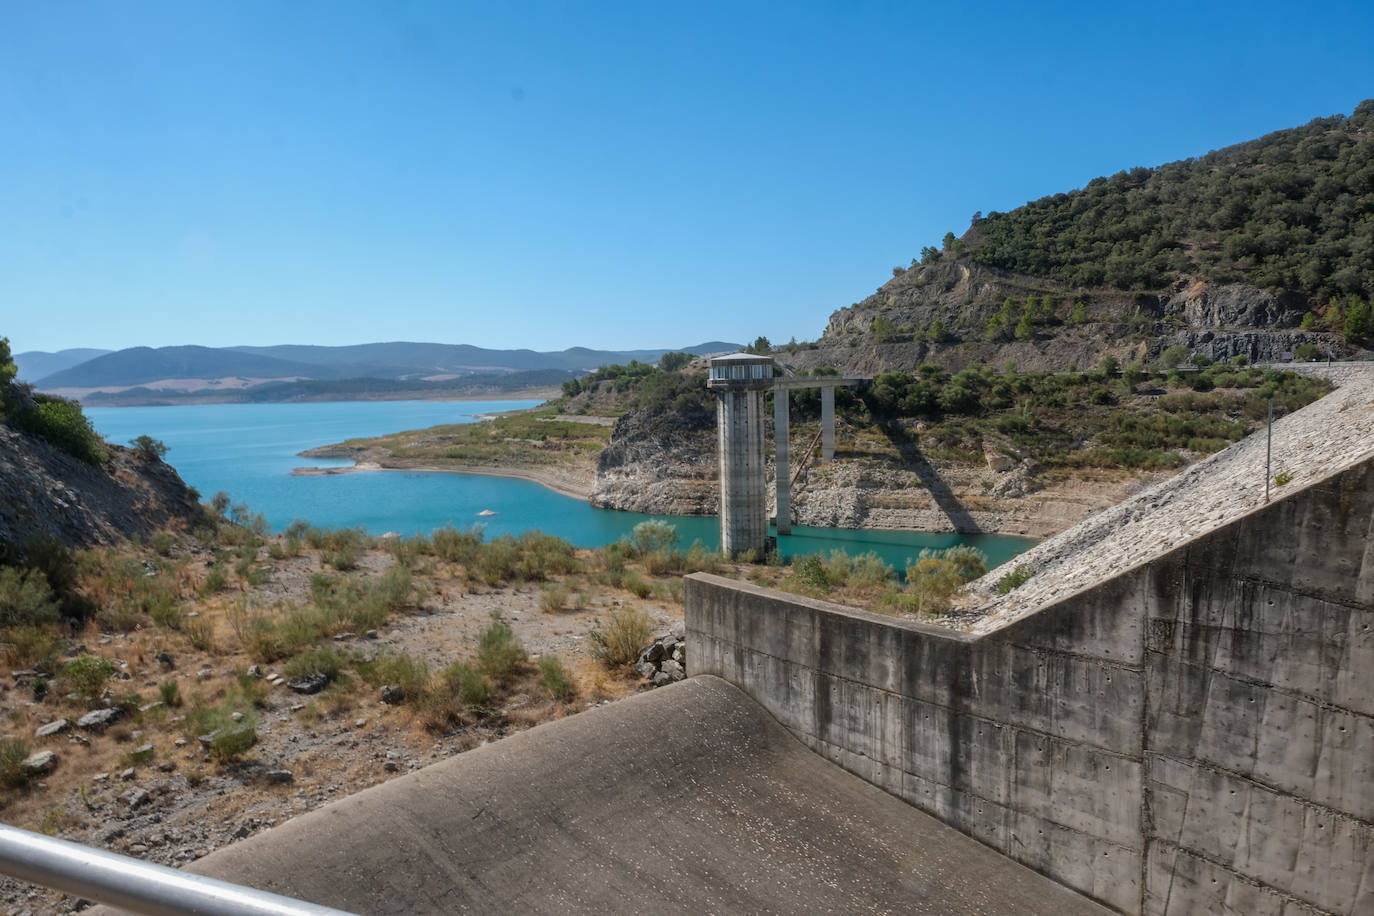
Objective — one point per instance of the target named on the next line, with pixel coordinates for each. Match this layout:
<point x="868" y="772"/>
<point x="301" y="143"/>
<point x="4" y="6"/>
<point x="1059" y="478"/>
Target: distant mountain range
<point x="189" y="369"/>
<point x="36" y="364"/>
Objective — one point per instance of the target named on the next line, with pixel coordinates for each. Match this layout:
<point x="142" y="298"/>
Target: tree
<point x="1024" y="329"/>
<point x="1080" y="313"/>
<point x="930" y="254"/>
<point x="948" y="241"/>
<point x="883" y="329"/>
<point x="671" y="362"/>
<point x="148" y="448"/>
<point x="760" y="346"/>
<point x="1358" y="320"/>
<point x="7" y="368"/>
<point x="1173" y="356"/>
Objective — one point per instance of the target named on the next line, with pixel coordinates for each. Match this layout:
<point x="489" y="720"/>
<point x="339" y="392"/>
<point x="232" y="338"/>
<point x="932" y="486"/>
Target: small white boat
<point x="486" y="512"/>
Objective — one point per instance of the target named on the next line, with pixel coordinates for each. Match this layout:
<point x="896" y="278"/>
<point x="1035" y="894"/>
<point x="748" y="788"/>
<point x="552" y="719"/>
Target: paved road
<point x="686" y="799"/>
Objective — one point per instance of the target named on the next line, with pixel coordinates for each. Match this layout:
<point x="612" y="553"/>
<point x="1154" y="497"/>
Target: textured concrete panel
<point x="1198" y="729"/>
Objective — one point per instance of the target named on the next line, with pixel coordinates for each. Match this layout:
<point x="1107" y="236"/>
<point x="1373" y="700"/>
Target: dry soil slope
<point x="687" y="799"/>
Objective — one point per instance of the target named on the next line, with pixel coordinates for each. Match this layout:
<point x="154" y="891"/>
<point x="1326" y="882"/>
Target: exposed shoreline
<point x="567" y="484"/>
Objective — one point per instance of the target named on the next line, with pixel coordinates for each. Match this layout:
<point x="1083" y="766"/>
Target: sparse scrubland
<point x="200" y="644"/>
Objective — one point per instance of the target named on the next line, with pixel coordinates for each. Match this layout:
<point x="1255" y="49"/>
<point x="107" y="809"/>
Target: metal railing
<point x="134" y="885"/>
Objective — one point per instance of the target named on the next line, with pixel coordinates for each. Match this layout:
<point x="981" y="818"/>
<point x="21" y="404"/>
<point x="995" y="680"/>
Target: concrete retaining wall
<point x="1193" y="735"/>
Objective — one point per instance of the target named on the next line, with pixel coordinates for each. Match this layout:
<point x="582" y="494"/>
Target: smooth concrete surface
<point x="688" y="799"/>
<point x="1194" y="735"/>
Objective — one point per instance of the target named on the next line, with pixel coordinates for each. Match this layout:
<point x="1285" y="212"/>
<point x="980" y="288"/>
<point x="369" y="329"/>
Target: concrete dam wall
<point x="1191" y="734"/>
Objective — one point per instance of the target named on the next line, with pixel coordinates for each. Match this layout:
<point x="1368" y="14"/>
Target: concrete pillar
<point x="828" y="423"/>
<point x="782" y="403"/>
<point x="743" y="509"/>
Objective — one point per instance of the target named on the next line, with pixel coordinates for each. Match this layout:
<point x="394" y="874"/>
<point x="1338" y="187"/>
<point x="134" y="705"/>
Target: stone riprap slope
<point x="1330" y="435"/>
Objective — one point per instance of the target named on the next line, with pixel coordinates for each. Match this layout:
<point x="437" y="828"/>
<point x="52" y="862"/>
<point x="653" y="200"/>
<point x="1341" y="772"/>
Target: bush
<point x="25" y="598"/>
<point x="461" y="690"/>
<point x="13" y="752"/>
<point x="410" y="673"/>
<point x="162" y="543"/>
<point x="499" y="652"/>
<point x="556" y="679"/>
<point x="617" y="642"/>
<point x="554" y="598"/>
<point x="1014" y="579"/>
<point x="62" y="424"/>
<point x="654" y="537"/>
<point x="169" y="692"/>
<point x="88" y="675"/>
<point x="148" y="448"/>
<point x="324" y="660"/>
<point x="32" y="646"/>
<point x="230" y="741"/>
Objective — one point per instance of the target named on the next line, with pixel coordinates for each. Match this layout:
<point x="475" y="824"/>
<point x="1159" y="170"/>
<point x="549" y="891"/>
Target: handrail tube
<point x="134" y="885"/>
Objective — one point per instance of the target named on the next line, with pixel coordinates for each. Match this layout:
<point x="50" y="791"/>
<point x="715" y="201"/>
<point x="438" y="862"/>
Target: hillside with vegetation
<point x="1263" y="250"/>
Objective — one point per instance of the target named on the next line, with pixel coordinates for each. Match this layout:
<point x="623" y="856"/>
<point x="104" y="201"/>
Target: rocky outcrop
<point x="939" y="314"/>
<point x="662" y="463"/>
<point x="50" y="494"/>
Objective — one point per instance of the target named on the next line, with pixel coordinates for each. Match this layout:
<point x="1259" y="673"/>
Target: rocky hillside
<point x="48" y="493"/>
<point x="1256" y="250"/>
<point x="956" y="314"/>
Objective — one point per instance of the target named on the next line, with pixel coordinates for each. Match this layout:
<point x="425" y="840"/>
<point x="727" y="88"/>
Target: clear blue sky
<point x="600" y="174"/>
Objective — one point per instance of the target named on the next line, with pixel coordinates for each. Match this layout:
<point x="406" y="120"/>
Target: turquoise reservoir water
<point x="249" y="451"/>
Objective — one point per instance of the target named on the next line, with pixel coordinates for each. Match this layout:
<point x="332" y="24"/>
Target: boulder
<point x="136" y="797"/>
<point x="646" y="669"/>
<point x="39" y="763"/>
<point x="393" y="694"/>
<point x="52" y="728"/>
<point x="100" y="718"/>
<point x="674" y="671"/>
<point x="308" y="683"/>
<point x="279" y="777"/>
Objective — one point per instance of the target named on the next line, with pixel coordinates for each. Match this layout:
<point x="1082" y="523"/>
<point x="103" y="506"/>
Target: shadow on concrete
<point x="944" y="497"/>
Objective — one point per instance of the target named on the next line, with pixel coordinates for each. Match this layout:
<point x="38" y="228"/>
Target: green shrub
<point x="554" y="598"/>
<point x="32" y="646"/>
<point x="25" y="598"/>
<point x="616" y="642"/>
<point x="410" y="673"/>
<point x="1282" y="478"/>
<point x="148" y="448"/>
<point x="162" y="543"/>
<point x="169" y="692"/>
<point x="216" y="578"/>
<point x="13" y="753"/>
<point x="88" y="675"/>
<point x="1014" y="579"/>
<point x="654" y="536"/>
<point x="471" y="687"/>
<point x="324" y="660"/>
<point x="556" y="679"/>
<point x="455" y="546"/>
<point x="62" y="424"/>
<point x="342" y="558"/>
<point x="499" y="652"/>
<point x="232" y="740"/>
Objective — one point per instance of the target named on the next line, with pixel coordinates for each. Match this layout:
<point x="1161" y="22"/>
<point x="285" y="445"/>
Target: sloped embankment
<point x="48" y="493"/>
<point x="1334" y="433"/>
